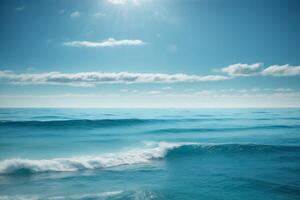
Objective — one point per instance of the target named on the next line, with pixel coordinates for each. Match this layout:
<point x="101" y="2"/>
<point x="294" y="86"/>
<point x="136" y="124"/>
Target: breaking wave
<point x="138" y="156"/>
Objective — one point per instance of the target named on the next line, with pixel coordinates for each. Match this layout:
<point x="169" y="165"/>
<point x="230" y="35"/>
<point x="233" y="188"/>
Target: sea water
<point x="173" y="154"/>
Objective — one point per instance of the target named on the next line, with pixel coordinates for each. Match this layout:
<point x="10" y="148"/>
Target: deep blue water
<point x="150" y="154"/>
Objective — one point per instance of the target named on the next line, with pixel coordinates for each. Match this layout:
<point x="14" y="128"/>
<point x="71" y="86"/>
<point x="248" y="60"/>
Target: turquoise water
<point x="150" y="154"/>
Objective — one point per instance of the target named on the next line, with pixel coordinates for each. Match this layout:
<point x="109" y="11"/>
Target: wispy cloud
<point x="89" y="79"/>
<point x="240" y="69"/>
<point x="110" y="42"/>
<point x="281" y="70"/>
<point x="75" y="14"/>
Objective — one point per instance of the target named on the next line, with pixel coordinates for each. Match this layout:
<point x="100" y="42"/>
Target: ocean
<point x="176" y="154"/>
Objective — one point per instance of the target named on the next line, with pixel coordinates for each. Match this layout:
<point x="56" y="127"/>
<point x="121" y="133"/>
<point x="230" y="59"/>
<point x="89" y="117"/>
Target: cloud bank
<point x="110" y="42"/>
<point x="90" y="79"/>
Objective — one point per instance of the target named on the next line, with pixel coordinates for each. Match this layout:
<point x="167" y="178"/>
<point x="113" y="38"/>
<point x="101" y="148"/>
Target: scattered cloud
<point x="75" y="14"/>
<point x="281" y="70"/>
<point x="110" y="42"/>
<point x="240" y="69"/>
<point x="89" y="79"/>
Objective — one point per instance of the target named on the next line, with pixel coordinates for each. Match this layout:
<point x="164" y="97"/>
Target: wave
<point x="119" y="194"/>
<point x="100" y="196"/>
<point x="104" y="123"/>
<point x="26" y="166"/>
<point x="91" y="123"/>
<point x="186" y="130"/>
<point x="107" y="123"/>
<point x="80" y="123"/>
<point x="132" y="157"/>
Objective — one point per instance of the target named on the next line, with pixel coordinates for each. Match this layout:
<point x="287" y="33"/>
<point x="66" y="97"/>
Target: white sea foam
<point x="11" y="166"/>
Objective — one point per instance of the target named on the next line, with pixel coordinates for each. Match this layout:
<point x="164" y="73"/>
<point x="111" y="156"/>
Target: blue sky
<point x="150" y="53"/>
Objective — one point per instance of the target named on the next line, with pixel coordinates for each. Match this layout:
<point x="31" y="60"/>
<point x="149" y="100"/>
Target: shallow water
<point x="150" y="154"/>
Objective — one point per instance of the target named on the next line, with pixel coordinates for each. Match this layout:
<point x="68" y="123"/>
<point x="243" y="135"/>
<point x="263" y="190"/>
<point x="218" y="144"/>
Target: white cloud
<point x="110" y="42"/>
<point x="75" y="14"/>
<point x="240" y="69"/>
<point x="281" y="70"/>
<point x="89" y="79"/>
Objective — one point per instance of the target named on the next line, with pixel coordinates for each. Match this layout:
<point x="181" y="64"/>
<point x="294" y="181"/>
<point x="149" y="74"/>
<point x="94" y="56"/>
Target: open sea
<point x="176" y="154"/>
